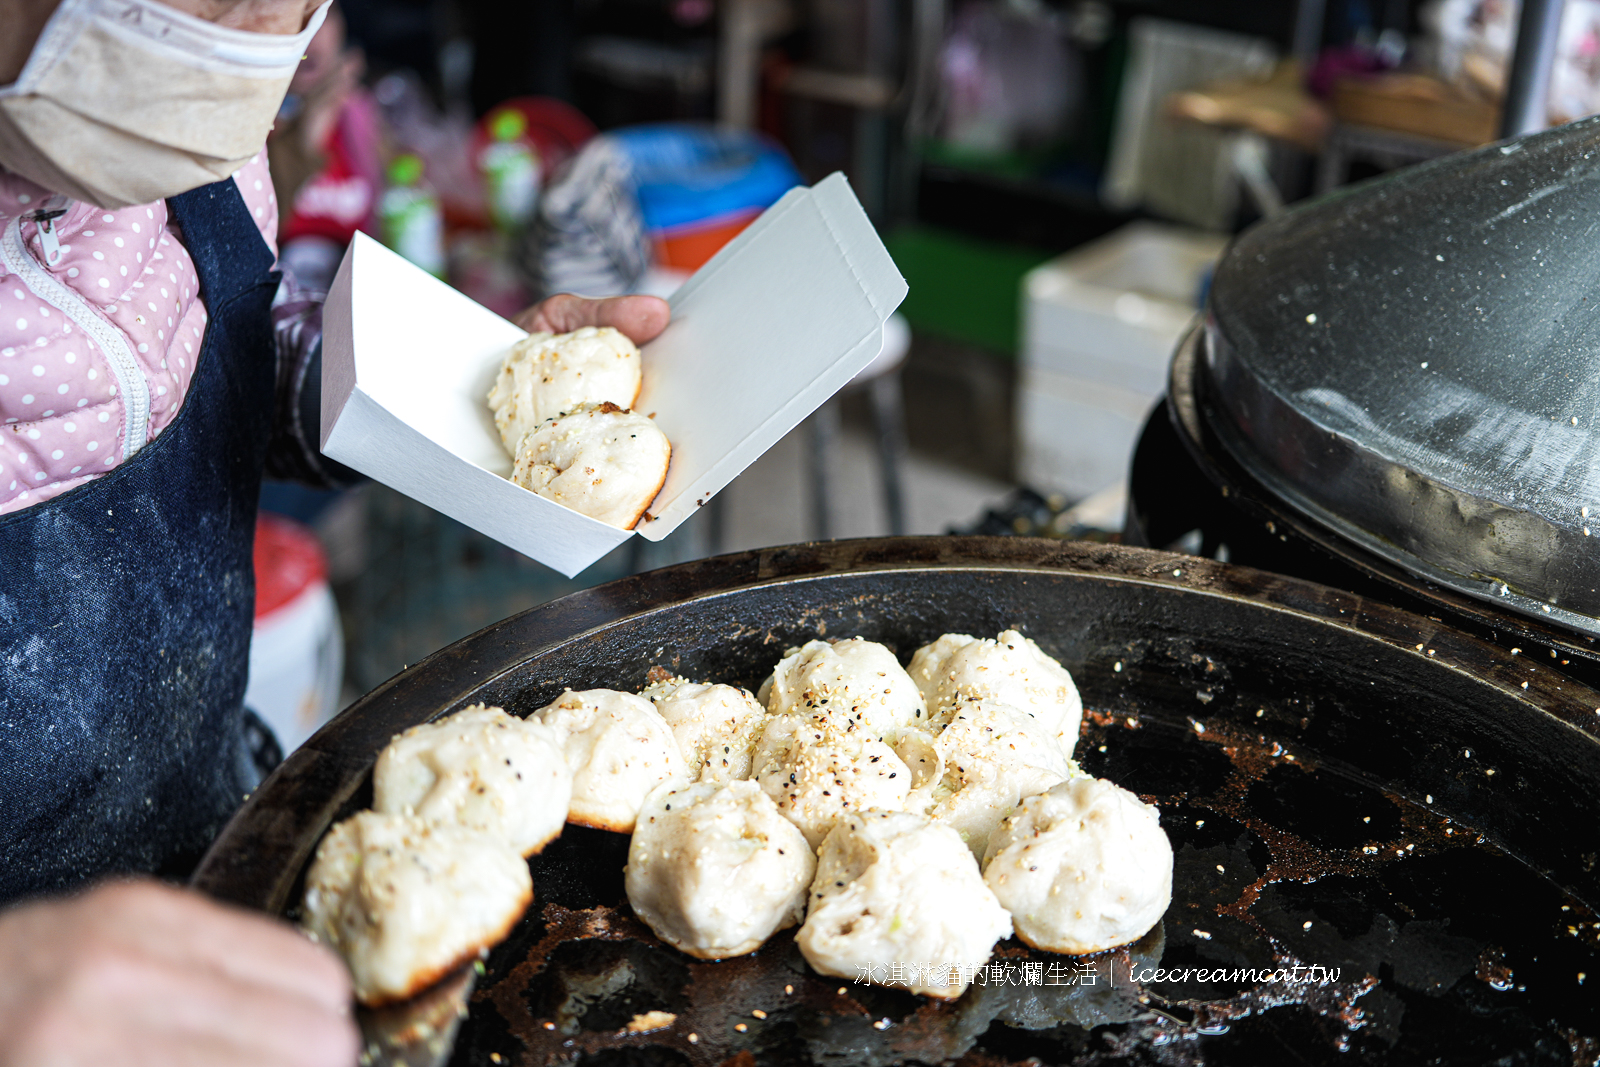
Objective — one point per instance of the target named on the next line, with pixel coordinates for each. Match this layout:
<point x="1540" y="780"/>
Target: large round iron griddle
<point x="1346" y="785"/>
<point x="1415" y="363"/>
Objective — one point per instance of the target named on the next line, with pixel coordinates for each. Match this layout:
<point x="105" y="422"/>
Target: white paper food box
<point x="772" y="326"/>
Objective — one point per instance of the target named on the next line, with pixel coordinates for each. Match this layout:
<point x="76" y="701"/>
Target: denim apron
<point x="126" y="606"/>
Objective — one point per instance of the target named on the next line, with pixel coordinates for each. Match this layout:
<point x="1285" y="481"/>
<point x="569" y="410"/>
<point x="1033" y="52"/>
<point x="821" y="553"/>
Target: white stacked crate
<point x="1099" y="327"/>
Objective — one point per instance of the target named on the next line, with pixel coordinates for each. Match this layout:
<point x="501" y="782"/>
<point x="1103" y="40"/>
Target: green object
<point x="405" y="170"/>
<point x="508" y="124"/>
<point x="962" y="288"/>
<point x="510" y="169"/>
<point x="410" y="217"/>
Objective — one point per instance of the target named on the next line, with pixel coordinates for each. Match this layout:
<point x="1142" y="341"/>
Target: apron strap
<point x="226" y="245"/>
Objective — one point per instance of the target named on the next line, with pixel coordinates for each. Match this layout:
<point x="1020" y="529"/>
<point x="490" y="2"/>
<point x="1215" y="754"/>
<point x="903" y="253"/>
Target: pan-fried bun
<point x="986" y="759"/>
<point x="1010" y="670"/>
<point x="853" y="683"/>
<point x="546" y="375"/>
<point x="404" y="901"/>
<point x="716" y="725"/>
<point x="597" y="459"/>
<point x="714" y="870"/>
<point x="817" y="772"/>
<point x="480" y="769"/>
<point x="619" y="748"/>
<point x="898" y="899"/>
<point x="1082" y="868"/>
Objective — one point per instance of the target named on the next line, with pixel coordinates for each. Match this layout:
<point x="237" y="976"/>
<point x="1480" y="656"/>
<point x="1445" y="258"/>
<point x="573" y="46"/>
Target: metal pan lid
<point x="1415" y="363"/>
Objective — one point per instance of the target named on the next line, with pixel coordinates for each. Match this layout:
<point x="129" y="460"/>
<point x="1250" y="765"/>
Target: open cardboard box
<point x="772" y="326"/>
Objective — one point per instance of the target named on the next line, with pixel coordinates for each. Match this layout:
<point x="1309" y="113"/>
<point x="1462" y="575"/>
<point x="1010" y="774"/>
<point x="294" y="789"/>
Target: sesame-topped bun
<point x="480" y="769"/>
<point x="986" y="759"/>
<point x="598" y="459"/>
<point x="714" y="870"/>
<point x="854" y="684"/>
<point x="818" y="771"/>
<point x="898" y="899"/>
<point x="1011" y="670"/>
<point x="404" y="901"/>
<point x="1082" y="867"/>
<point x="546" y="375"/>
<point x="619" y="748"/>
<point x="716" y="725"/>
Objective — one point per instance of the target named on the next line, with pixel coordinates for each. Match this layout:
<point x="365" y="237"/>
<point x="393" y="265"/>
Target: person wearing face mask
<point x="146" y="380"/>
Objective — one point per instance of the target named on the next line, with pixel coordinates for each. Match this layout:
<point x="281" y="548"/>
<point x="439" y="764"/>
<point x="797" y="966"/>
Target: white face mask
<point x="130" y="101"/>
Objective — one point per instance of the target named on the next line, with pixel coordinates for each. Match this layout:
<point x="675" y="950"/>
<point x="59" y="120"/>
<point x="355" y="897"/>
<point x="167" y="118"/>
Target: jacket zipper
<point x="131" y="385"/>
<point x="48" y="239"/>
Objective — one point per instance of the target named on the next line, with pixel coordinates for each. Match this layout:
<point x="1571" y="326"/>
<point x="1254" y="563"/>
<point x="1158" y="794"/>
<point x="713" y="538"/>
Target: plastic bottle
<point x="409" y="213"/>
<point x="510" y="171"/>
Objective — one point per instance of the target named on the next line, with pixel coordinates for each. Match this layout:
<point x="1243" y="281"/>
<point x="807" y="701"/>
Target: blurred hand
<point x="140" y="974"/>
<point x="641" y="318"/>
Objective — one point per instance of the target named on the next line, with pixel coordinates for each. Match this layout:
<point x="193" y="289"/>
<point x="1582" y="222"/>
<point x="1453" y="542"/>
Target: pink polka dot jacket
<point x="101" y="321"/>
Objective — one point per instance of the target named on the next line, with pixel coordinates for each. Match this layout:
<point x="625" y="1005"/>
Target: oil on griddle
<point x="1432" y="947"/>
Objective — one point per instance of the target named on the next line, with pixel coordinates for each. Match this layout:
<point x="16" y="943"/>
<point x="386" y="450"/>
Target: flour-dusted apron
<point x="126" y="605"/>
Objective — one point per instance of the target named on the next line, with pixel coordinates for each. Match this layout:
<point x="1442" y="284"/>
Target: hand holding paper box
<point x="765" y="332"/>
